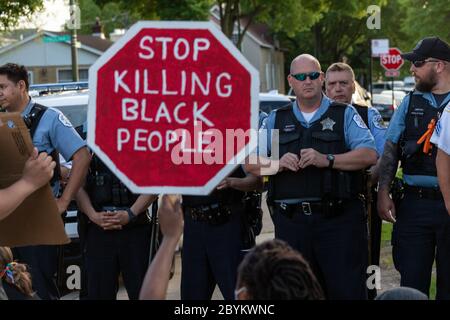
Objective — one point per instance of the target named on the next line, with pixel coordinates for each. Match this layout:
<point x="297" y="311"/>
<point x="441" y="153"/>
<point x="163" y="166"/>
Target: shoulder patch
<point x="359" y="121"/>
<point x="378" y="122"/>
<point x="62" y="118"/>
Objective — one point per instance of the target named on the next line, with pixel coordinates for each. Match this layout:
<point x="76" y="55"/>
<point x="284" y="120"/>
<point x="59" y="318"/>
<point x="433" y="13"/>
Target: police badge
<point x="327" y="124"/>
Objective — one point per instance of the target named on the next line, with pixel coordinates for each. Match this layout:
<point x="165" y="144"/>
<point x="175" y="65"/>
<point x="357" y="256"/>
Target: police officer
<point x="313" y="192"/>
<point x="441" y="137"/>
<point x="422" y="225"/>
<point x="116" y="234"/>
<point x="51" y="131"/>
<point x="215" y="237"/>
<point x="340" y="86"/>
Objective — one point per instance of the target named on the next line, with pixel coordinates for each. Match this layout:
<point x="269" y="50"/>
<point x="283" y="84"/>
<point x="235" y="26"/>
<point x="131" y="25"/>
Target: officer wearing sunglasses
<point x="316" y="182"/>
<point x="422" y="225"/>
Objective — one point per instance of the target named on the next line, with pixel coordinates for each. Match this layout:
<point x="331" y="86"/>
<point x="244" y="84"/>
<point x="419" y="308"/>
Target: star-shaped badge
<point x="327" y="124"/>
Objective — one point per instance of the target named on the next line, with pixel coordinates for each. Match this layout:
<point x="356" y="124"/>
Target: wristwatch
<point x="330" y="158"/>
<point x="131" y="215"/>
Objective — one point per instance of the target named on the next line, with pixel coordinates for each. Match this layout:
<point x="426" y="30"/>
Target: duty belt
<point x="213" y="213"/>
<point x="425" y="193"/>
<point x="309" y="208"/>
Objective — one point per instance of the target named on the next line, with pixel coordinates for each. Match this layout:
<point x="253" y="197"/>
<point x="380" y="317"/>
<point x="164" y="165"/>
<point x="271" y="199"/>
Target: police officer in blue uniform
<point x="421" y="230"/>
<point x="51" y="133"/>
<point x="215" y="237"/>
<point x="315" y="185"/>
<point x="340" y="86"/>
<point x="115" y="235"/>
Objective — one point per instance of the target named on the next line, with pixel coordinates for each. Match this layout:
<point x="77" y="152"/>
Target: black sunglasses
<point x="421" y="63"/>
<point x="303" y="76"/>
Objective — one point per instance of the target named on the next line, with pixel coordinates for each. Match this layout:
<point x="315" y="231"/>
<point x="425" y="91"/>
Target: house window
<point x="65" y="75"/>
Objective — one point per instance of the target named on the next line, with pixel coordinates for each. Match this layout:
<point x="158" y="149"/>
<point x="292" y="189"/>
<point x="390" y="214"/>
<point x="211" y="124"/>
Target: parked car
<point x="377" y="87"/>
<point x="273" y="100"/>
<point x="384" y="104"/>
<point x="72" y="100"/>
<point x="398" y="95"/>
<point x="410" y="83"/>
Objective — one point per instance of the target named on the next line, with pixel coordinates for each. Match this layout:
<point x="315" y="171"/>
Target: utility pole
<point x="74" y="16"/>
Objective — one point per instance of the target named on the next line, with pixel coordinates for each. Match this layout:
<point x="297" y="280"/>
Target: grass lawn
<point x="386" y="232"/>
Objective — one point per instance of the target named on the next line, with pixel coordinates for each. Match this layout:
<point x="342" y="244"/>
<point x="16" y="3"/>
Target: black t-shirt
<point x="440" y="97"/>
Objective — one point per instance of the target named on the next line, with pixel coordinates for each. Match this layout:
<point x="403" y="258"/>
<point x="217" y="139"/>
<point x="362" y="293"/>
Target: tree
<point x="426" y="18"/>
<point x="11" y="11"/>
<point x="291" y="16"/>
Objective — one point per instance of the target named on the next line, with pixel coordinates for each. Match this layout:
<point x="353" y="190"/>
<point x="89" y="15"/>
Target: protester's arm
<point x="80" y="165"/>
<point x="156" y="280"/>
<point x="443" y="169"/>
<point x="37" y="172"/>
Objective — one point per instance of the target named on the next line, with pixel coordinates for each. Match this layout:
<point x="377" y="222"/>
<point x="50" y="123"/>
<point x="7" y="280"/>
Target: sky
<point x="52" y="17"/>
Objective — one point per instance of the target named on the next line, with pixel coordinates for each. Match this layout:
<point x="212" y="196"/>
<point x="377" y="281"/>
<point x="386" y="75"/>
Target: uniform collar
<point x="430" y="97"/>
<point x="28" y="107"/>
<point x="324" y="104"/>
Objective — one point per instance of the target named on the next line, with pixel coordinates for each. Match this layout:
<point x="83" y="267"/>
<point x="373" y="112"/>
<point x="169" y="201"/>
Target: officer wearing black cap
<point x="421" y="230"/>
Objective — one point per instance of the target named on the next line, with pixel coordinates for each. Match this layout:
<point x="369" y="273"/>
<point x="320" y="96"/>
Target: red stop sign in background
<point x="161" y="98"/>
<point x="393" y="60"/>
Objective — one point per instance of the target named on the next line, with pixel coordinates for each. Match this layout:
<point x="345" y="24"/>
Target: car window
<point x="76" y="114"/>
<point x="268" y="106"/>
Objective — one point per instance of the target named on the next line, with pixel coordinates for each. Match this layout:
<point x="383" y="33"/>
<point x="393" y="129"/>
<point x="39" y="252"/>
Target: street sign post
<point x="392" y="62"/>
<point x="60" y="38"/>
<point x="379" y="47"/>
<point x="171" y="107"/>
<point x="392" y="73"/>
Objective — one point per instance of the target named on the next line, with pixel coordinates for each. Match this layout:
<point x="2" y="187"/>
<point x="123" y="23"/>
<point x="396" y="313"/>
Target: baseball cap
<point x="431" y="47"/>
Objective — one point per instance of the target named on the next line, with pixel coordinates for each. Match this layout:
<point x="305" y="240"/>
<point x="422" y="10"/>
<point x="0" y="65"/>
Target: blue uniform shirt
<point x="396" y="128"/>
<point x="55" y="132"/>
<point x="356" y="132"/>
<point x="377" y="129"/>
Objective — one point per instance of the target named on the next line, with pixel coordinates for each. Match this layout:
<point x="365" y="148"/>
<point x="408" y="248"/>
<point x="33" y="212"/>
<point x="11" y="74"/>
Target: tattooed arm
<point x="387" y="169"/>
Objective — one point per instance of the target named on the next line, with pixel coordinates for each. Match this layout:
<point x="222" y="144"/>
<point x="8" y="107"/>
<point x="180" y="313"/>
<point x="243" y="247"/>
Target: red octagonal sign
<point x="392" y="61"/>
<point x="173" y="107"/>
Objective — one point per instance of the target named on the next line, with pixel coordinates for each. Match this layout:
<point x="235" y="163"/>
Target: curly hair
<point x="21" y="277"/>
<point x="275" y="271"/>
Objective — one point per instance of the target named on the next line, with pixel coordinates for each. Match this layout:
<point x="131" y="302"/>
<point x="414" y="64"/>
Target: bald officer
<point x="315" y="182"/>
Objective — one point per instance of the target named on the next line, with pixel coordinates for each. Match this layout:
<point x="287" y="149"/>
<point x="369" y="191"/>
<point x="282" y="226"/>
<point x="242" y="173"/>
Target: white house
<point x="49" y="61"/>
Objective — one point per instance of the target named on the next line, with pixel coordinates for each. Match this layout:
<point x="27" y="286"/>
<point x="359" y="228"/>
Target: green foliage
<point x="123" y="13"/>
<point x="88" y="13"/>
<point x="184" y="9"/>
<point x="11" y="11"/>
<point x="426" y="18"/>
